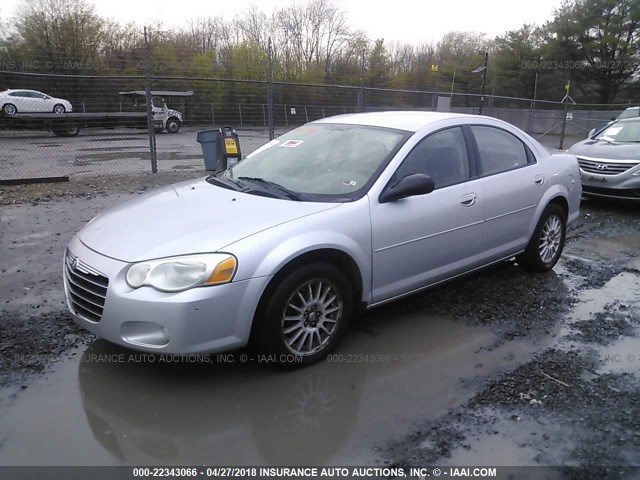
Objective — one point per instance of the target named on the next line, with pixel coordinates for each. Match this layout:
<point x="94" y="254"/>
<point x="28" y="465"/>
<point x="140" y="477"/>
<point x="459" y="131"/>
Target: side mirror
<point x="613" y="118"/>
<point x="409" y="186"/>
<point x="591" y="132"/>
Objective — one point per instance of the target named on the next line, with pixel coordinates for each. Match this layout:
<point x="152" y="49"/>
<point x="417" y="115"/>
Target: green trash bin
<point x="208" y="140"/>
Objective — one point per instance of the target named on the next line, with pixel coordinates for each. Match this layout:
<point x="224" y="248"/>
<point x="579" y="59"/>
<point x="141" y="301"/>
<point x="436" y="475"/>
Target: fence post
<point x="270" y="91"/>
<point x="564" y="124"/>
<point x="240" y="110"/>
<point x="435" y="99"/>
<point x="147" y="94"/>
<point x="286" y="118"/>
<point x="361" y="90"/>
<point x="566" y="99"/>
<point x="213" y="115"/>
<point x="532" y="106"/>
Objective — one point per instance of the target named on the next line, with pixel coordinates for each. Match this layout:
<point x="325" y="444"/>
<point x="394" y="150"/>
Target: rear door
<point x="513" y="183"/>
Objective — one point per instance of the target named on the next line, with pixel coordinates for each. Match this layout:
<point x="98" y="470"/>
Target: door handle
<point x="538" y="179"/>
<point x="469" y="200"/>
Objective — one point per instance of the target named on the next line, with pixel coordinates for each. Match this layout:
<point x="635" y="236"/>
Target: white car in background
<point x="26" y="101"/>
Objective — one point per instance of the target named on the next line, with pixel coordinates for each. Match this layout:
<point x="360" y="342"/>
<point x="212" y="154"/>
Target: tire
<point x="9" y="109"/>
<point x="306" y="316"/>
<point x="59" y="108"/>
<point x="546" y="244"/>
<point x="173" y="125"/>
<point x="67" y="132"/>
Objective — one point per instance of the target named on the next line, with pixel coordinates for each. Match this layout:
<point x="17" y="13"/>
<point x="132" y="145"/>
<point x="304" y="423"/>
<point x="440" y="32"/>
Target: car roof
<point x="402" y="120"/>
<point x="629" y="120"/>
<point x="20" y="90"/>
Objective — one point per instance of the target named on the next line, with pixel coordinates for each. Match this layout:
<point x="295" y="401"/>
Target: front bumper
<point x="625" y="185"/>
<point x="199" y="320"/>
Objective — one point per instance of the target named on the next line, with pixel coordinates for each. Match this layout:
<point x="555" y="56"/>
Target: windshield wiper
<point x="606" y="139"/>
<point x="289" y="193"/>
<point x="225" y="182"/>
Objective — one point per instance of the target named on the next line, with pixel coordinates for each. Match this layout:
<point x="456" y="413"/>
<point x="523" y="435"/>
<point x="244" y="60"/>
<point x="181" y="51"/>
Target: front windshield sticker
<point x="351" y="183"/>
<point x="292" y="143"/>
<point x="613" y="130"/>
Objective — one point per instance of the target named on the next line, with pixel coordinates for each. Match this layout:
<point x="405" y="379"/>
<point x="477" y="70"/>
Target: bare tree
<point x="60" y="31"/>
<point x="256" y="26"/>
<point x="312" y="34"/>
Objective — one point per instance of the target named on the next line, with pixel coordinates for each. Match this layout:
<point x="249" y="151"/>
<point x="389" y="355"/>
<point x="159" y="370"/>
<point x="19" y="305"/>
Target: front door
<point x="422" y="239"/>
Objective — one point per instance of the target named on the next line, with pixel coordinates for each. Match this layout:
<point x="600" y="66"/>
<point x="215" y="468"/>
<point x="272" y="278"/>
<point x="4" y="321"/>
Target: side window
<point x="499" y="150"/>
<point x="442" y="156"/>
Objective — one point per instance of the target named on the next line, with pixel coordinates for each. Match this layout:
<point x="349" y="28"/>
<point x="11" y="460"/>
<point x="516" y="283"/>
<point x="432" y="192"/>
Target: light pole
<point x="484" y="77"/>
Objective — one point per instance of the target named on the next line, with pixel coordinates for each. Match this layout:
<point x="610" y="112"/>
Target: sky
<point x="404" y="21"/>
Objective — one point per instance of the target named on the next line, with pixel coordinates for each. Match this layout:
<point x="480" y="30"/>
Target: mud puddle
<point x="112" y="406"/>
<point x="573" y="404"/>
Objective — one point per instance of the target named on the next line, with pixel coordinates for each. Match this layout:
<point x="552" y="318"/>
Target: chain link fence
<point x="112" y="117"/>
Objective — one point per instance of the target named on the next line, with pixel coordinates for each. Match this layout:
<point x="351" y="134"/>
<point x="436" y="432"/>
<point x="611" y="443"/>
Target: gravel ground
<point x="568" y="405"/>
<point x="83" y="187"/>
<point x="32" y="335"/>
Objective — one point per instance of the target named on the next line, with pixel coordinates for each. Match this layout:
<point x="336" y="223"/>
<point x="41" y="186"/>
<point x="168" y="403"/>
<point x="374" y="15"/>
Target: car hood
<point x="613" y="151"/>
<point x="188" y="217"/>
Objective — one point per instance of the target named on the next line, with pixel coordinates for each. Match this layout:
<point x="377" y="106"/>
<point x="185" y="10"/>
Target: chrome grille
<point x="86" y="287"/>
<point x="605" y="167"/>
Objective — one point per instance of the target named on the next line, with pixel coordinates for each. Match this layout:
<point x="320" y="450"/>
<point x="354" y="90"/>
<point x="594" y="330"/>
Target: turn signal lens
<point x="223" y="272"/>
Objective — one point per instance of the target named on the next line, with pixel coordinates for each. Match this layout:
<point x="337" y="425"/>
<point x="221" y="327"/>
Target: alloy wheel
<point x="311" y="317"/>
<point x="550" y="237"/>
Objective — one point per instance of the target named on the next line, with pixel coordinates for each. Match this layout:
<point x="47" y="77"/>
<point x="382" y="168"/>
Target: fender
<point x="330" y="229"/>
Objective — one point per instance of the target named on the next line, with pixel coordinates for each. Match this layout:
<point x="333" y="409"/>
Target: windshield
<point x="629" y="113"/>
<point x="322" y="159"/>
<point x="627" y="131"/>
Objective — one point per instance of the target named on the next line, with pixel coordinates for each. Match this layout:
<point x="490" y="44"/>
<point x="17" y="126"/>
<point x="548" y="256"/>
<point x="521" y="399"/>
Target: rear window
<point x="499" y="150"/>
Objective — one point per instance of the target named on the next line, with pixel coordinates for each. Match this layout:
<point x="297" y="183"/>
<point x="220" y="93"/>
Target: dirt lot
<point x="95" y="152"/>
<point x="502" y="368"/>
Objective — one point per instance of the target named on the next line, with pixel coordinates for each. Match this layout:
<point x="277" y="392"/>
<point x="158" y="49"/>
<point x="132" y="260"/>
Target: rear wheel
<point x="67" y="132"/>
<point x="547" y="242"/>
<point x="59" y="108"/>
<point x="9" y="109"/>
<point x="307" y="315"/>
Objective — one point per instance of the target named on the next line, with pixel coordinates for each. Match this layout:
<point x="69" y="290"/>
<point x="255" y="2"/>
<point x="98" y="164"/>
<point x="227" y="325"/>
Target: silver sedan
<point x="340" y="215"/>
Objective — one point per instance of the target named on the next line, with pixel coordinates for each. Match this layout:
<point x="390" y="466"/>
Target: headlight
<point x="181" y="273"/>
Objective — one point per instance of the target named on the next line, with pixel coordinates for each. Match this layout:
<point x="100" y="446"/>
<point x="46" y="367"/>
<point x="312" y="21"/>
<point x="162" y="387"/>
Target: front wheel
<point x="306" y="315"/>
<point x="59" y="108"/>
<point x="9" y="109"/>
<point x="173" y="125"/>
<point x="547" y="242"/>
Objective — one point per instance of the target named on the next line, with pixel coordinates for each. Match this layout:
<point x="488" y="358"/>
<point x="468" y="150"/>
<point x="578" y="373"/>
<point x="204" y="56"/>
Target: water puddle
<point x="604" y="248"/>
<point x="107" y="406"/>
